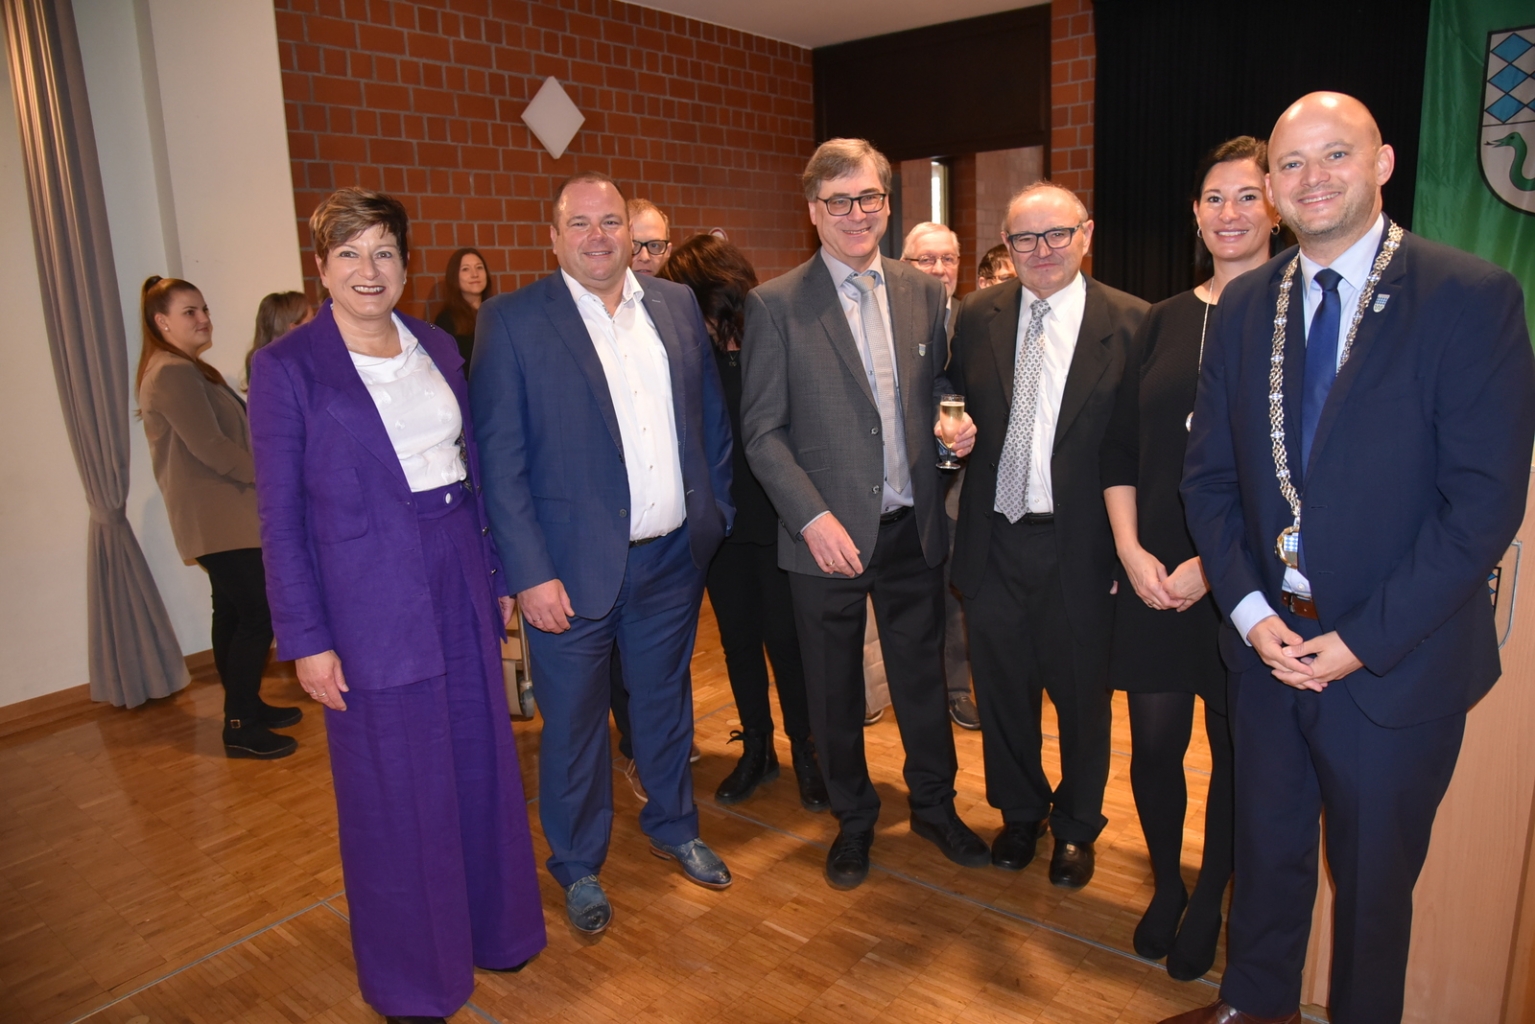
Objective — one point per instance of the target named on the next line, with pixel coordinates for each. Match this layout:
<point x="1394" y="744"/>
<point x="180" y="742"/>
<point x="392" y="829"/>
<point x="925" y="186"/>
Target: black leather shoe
<point x="249" y="738"/>
<point x="416" y="1020"/>
<point x="274" y="717"/>
<point x="758" y="764"/>
<point x="1154" y="934"/>
<point x="507" y="970"/>
<point x="847" y="862"/>
<point x="1193" y="951"/>
<point x="964" y="712"/>
<point x="807" y="772"/>
<point x="956" y="839"/>
<point x="1071" y="865"/>
<point x="1014" y="846"/>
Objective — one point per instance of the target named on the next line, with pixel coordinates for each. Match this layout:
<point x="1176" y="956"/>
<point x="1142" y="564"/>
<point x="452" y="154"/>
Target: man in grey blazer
<point x="842" y="366"/>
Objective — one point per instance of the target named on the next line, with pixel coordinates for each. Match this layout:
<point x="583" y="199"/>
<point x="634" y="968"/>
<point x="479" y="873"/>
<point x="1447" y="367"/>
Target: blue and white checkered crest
<point x="1507" y="138"/>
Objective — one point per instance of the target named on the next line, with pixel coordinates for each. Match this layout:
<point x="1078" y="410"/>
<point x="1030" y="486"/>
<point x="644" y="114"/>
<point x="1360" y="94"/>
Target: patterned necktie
<point x="1018" y="448"/>
<point x="1321" y="359"/>
<point x="874" y="336"/>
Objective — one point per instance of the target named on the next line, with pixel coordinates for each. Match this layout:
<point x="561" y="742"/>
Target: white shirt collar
<point x="1355" y="263"/>
<point x="840" y="271"/>
<point x="1064" y="302"/>
<point x="632" y="293"/>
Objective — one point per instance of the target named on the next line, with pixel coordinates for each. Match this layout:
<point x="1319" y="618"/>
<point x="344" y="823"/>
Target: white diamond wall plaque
<point x="553" y="118"/>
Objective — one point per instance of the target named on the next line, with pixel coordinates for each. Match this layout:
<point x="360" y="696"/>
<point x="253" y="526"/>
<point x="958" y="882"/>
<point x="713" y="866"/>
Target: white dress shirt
<point x="1354" y="267"/>
<point x="419" y="411"/>
<point x="1062" y="325"/>
<point x="639" y="377"/>
<point x="848" y="295"/>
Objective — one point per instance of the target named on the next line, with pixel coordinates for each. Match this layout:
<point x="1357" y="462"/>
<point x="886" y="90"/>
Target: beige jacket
<point x="199" y="442"/>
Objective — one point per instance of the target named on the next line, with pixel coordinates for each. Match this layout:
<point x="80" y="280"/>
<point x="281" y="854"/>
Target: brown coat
<point x="199" y="443"/>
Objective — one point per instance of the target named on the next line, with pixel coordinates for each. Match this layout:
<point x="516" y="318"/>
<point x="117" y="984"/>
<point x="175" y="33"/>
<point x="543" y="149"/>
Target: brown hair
<point x="720" y="276"/>
<point x="155" y="298"/>
<point x="637" y="207"/>
<point x="995" y="258"/>
<point x="584" y="178"/>
<point x="278" y="313"/>
<point x="1243" y="147"/>
<point x="348" y="212"/>
<point x="836" y="158"/>
<point x="453" y="302"/>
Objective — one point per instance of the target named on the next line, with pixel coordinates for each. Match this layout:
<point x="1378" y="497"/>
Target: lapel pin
<point x="1380" y="302"/>
<point x="921" y="349"/>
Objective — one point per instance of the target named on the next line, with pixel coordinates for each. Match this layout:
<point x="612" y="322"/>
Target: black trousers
<point x="1299" y="753"/>
<point x="242" y="627"/>
<point x="1022" y="646"/>
<point x="830" y="613"/>
<point x="754" y="608"/>
<point x="956" y="647"/>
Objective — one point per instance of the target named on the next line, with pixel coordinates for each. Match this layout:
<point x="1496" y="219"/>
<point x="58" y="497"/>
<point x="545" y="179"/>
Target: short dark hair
<point x="836" y="158"/>
<point x="720" y="276"/>
<point x="1243" y="147"/>
<point x="995" y="257"/>
<point x="348" y="212"/>
<point x="584" y="178"/>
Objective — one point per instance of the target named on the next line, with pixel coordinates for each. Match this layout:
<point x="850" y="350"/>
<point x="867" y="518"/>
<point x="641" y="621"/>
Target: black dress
<point x="1158" y="651"/>
<point x="444" y="320"/>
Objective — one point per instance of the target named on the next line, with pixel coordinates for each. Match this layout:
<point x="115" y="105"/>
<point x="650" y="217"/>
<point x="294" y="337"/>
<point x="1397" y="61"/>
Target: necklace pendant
<point x="1188" y="424"/>
<point x="1288" y="546"/>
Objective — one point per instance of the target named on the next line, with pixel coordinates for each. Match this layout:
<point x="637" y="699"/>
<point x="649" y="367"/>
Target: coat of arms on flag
<point x="1508" y="117"/>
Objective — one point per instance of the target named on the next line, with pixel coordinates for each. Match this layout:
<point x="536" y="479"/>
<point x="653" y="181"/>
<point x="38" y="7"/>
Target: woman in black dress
<point x="750" y="594"/>
<point x="1165" y="624"/>
<point x="465" y="284"/>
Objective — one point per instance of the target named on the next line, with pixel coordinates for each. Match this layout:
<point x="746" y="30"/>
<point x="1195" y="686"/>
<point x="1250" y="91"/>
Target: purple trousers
<point x="435" y="849"/>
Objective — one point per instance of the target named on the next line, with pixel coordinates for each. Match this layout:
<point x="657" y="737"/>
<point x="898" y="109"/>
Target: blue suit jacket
<point x="1416" y="483"/>
<point x="555" y="483"/>
<point x="339" y="532"/>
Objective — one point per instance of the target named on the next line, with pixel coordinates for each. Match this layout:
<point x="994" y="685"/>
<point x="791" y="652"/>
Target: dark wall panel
<point x="960" y="87"/>
<point x="1176" y="77"/>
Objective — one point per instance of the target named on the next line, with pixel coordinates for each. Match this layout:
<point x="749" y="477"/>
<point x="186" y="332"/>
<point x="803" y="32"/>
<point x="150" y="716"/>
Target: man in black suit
<point x="1370" y="395"/>
<point x="842" y="369"/>
<point x="1038" y="359"/>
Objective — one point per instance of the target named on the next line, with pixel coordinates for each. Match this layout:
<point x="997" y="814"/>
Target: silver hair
<point x="922" y="229"/>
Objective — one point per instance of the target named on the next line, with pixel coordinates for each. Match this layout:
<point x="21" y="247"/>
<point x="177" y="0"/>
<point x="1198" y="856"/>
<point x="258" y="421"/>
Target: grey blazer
<point x="809" y="418"/>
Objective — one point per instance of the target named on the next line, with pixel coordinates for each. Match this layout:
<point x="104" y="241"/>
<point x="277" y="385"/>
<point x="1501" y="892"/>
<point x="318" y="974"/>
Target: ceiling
<point x="810" y="23"/>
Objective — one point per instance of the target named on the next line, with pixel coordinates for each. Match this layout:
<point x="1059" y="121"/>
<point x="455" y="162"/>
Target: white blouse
<point x="419" y="412"/>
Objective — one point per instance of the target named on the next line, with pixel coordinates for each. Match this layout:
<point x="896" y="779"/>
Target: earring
<point x="1199" y="234"/>
<point x="1275" y="231"/>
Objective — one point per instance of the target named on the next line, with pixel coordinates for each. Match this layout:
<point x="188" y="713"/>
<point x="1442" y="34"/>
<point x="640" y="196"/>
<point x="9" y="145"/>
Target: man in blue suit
<point x="605" y="447"/>
<point x="1358" y="463"/>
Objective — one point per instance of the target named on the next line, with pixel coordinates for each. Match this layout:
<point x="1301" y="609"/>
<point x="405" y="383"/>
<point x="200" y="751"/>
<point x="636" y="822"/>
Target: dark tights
<point x="1160" y="727"/>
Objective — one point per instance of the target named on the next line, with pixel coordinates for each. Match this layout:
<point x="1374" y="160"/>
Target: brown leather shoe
<point x="1222" y="1012"/>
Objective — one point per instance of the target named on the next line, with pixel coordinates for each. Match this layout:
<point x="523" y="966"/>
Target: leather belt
<point x="1302" y="606"/>
<point x="894" y="515"/>
<point x="651" y="540"/>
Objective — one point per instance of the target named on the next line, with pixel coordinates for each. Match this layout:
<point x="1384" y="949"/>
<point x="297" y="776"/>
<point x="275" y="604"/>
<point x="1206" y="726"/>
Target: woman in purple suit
<point x="385" y="586"/>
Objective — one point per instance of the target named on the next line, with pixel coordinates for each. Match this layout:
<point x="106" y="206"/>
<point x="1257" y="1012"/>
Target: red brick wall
<point x="1073" y="69"/>
<point x="424" y="100"/>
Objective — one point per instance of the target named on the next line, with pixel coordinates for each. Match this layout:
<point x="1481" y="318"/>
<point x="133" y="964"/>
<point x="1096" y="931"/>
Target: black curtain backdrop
<point x="1176" y="77"/>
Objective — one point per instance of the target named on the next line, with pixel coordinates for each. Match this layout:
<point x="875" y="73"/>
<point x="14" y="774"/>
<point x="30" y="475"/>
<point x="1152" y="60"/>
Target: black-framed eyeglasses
<point x="1055" y="238"/>
<point x="656" y="246"/>
<point x="841" y="206"/>
<point x="929" y="261"/>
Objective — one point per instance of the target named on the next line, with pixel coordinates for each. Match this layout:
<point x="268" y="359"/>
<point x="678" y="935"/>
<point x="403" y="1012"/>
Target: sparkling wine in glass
<point x="951" y="416"/>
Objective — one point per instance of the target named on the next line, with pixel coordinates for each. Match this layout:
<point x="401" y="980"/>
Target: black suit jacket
<point x="981" y="369"/>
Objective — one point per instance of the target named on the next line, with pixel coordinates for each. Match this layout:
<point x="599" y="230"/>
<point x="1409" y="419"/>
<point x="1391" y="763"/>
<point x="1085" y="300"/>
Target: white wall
<point x="186" y="97"/>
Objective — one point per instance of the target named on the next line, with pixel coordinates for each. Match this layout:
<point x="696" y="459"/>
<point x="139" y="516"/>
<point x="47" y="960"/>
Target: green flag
<point x="1476" y="155"/>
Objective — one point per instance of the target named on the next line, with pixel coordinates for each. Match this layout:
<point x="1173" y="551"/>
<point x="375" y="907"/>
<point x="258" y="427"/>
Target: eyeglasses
<point x="929" y="261"/>
<point x="841" y="206"/>
<point x="656" y="246"/>
<point x="1055" y="238"/>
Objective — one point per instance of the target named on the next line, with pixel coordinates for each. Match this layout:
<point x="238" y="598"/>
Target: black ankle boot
<point x="274" y="717"/>
<point x="249" y="738"/>
<point x="807" y="771"/>
<point x="758" y="764"/>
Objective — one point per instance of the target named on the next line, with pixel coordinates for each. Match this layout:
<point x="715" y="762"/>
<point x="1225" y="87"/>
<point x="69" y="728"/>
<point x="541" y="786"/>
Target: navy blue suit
<point x="1415" y="487"/>
<point x="557" y="494"/>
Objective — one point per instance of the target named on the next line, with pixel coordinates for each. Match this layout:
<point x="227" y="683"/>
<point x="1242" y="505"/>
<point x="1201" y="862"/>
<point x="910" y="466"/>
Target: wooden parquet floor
<point x="146" y="879"/>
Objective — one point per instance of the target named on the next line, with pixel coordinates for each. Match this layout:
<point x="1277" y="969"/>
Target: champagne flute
<point x="951" y="416"/>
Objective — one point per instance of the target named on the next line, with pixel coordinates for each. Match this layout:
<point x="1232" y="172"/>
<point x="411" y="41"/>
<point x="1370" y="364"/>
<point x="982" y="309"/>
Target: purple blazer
<point x="339" y="537"/>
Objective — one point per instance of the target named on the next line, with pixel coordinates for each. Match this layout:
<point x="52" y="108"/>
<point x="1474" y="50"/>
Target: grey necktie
<point x="878" y="342"/>
<point x="1018" y="448"/>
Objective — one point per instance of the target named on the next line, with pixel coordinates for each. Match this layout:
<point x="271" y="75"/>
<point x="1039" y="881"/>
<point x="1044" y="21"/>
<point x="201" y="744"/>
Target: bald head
<point x="1326" y="168"/>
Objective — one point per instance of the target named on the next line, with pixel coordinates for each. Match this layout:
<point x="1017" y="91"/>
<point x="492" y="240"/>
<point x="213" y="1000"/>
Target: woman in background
<point x="199" y="443"/>
<point x="748" y="590"/>
<point x="385" y="586"/>
<point x="465" y="284"/>
<point x="1165" y="627"/>
<point x="278" y="314"/>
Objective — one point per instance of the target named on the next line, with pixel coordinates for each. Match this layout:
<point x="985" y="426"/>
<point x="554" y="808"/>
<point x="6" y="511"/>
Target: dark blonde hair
<point x="836" y="158"/>
<point x="155" y="298"/>
<point x="636" y="207"/>
<point x="278" y="314"/>
<point x="720" y="276"/>
<point x="453" y="302"/>
<point x="348" y="212"/>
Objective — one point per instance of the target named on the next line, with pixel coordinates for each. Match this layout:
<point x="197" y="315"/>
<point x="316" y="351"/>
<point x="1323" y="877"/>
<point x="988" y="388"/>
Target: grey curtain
<point x="133" y="651"/>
